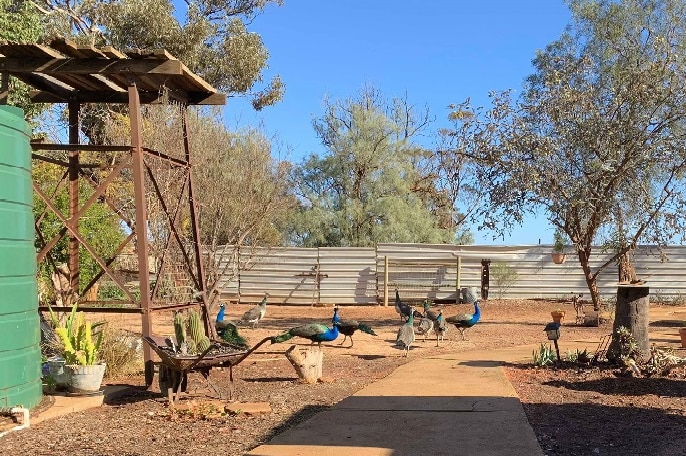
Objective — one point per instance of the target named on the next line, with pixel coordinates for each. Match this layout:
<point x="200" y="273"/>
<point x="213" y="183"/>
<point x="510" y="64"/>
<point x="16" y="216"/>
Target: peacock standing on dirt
<point x="428" y="313"/>
<point x="425" y="326"/>
<point x="466" y="320"/>
<point x="440" y="327"/>
<point x="254" y="315"/>
<point x="347" y="327"/>
<point x="315" y="332"/>
<point x="228" y="331"/>
<point x="405" y="337"/>
<point x="403" y="309"/>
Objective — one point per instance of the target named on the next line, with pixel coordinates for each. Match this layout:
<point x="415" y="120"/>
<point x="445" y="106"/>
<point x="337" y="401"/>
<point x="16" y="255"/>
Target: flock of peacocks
<point x="414" y="323"/>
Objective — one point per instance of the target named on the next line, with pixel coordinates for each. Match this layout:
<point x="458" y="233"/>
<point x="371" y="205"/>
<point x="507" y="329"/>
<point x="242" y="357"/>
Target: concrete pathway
<point x="444" y="405"/>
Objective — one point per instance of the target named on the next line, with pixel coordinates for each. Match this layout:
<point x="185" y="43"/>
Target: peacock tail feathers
<point x="282" y="338"/>
<point x="366" y="329"/>
<point x="230" y="335"/>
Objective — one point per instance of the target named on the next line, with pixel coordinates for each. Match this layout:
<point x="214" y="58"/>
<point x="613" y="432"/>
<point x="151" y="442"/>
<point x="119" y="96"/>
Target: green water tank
<point x="20" y="355"/>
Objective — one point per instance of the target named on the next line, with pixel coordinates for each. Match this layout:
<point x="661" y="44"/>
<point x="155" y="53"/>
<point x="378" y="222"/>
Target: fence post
<point x="457" y="280"/>
<point x="385" y="281"/>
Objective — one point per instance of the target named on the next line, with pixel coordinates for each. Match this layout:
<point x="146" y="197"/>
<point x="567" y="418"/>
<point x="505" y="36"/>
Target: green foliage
<point x="559" y="241"/>
<point x="595" y="140"/>
<point x="626" y="346"/>
<point x="76" y="336"/>
<point x="99" y="226"/>
<point x="370" y="186"/>
<point x="578" y="356"/>
<point x="211" y="37"/>
<point x="20" y="22"/>
<point x="504" y="276"/>
<point x="544" y="356"/>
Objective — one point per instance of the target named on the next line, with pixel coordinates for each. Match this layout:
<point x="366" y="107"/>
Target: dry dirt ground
<point x="572" y="413"/>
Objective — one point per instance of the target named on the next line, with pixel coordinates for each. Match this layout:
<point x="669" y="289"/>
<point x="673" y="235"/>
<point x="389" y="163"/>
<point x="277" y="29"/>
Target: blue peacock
<point x="347" y="327"/>
<point x="315" y="332"/>
<point x="227" y="330"/>
<point x="466" y="320"/>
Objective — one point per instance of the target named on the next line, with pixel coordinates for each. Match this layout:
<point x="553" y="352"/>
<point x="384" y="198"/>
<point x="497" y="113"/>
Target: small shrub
<point x="544" y="356"/>
<point x="504" y="277"/>
<point x="121" y="350"/>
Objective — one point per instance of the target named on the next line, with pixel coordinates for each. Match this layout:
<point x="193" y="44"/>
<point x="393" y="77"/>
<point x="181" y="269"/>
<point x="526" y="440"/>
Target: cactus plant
<point x="196" y="331"/>
<point x="179" y="329"/>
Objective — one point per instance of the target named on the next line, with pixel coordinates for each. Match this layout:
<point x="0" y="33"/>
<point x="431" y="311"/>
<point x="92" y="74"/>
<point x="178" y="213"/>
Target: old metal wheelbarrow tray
<point x="176" y="367"/>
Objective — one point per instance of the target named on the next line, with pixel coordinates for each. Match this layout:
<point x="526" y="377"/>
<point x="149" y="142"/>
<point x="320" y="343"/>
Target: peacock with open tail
<point x="315" y="332"/>
<point x="347" y="327"/>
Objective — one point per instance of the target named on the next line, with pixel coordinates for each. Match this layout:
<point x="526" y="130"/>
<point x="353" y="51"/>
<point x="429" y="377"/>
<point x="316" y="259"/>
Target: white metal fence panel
<point x="287" y="274"/>
<point x="356" y="276"/>
<point x="350" y="276"/>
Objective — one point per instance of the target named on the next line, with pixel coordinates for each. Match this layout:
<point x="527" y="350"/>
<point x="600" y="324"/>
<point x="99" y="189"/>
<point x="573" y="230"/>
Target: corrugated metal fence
<point x="358" y="276"/>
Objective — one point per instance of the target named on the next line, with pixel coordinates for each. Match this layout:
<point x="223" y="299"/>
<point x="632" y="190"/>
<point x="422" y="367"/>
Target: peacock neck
<point x="220" y="315"/>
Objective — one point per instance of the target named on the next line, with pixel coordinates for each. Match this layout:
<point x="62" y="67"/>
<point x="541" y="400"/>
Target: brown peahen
<point x="405" y="337"/>
<point x="254" y="315"/>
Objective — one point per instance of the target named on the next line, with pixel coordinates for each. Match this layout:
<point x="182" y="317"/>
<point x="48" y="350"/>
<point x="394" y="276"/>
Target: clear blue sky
<point x="437" y="51"/>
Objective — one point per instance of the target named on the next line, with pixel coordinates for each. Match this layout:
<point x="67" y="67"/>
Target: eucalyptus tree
<point x="19" y="22"/>
<point x="369" y="187"/>
<point x="596" y="140"/>
<point x="210" y="37"/>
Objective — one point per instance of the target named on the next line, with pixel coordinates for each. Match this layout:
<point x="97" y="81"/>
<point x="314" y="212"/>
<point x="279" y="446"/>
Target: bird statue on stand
<point x="257" y="313"/>
<point x="315" y="332"/>
<point x="466" y="320"/>
<point x="403" y="309"/>
<point x="440" y="327"/>
<point x="347" y="327"/>
<point x="405" y="337"/>
<point x="228" y="331"/>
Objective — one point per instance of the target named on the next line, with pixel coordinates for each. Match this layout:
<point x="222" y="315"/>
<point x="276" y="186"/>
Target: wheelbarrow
<point x="175" y="367"/>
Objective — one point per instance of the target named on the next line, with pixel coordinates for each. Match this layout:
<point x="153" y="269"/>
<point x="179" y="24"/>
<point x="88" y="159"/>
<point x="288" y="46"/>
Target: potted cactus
<point x="80" y="344"/>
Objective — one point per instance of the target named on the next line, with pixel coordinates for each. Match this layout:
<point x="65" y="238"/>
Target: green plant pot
<point x="84" y="379"/>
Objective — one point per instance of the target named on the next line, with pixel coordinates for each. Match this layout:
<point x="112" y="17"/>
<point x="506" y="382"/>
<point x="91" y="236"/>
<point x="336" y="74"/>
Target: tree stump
<point x="307" y="364"/>
<point x="632" y="313"/>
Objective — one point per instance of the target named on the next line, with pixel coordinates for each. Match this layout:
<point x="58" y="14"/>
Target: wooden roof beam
<point x="16" y="65"/>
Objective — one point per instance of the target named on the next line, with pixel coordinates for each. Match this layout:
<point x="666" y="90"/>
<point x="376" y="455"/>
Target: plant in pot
<point x="558" y="315"/>
<point x="80" y="344"/>
<point x="559" y="256"/>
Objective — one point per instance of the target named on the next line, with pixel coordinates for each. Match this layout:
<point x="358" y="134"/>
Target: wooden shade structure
<point x="64" y="72"/>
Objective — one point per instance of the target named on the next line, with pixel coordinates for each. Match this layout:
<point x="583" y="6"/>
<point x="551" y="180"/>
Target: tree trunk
<point x="591" y="281"/>
<point x="632" y="313"/>
<point x="307" y="364"/>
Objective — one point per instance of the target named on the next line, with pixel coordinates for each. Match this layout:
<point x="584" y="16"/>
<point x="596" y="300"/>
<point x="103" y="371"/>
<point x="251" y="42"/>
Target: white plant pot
<point x="57" y="372"/>
<point x="84" y="379"/>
